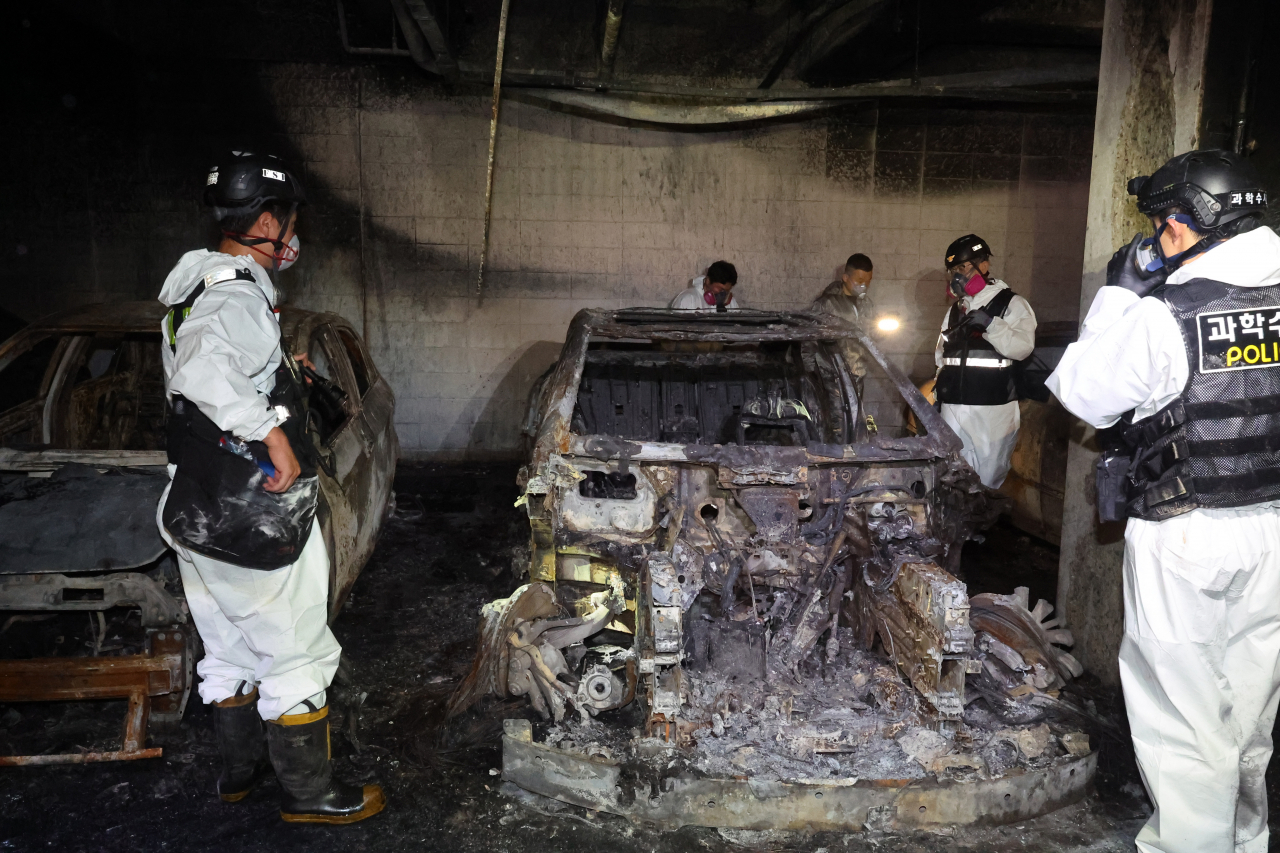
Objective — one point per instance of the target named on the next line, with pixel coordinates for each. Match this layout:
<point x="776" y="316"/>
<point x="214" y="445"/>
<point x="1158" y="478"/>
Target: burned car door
<point x="369" y="490"/>
<point x="377" y="413"/>
<point x="354" y="485"/>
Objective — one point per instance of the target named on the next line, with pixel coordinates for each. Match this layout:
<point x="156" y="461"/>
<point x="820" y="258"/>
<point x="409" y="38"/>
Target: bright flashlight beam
<point x="888" y="324"/>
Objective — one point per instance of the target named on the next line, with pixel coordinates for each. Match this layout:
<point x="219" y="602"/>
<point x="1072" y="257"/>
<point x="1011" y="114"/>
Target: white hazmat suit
<point x="1200" y="658"/>
<point x="989" y="433"/>
<point x="268" y="628"/>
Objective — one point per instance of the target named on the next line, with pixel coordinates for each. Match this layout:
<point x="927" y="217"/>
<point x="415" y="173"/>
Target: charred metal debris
<point x="739" y="547"/>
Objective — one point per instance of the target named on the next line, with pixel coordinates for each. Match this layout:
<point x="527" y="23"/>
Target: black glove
<point x="1122" y="270"/>
<point x="978" y="320"/>
<point x="975" y="321"/>
<point x="959" y="330"/>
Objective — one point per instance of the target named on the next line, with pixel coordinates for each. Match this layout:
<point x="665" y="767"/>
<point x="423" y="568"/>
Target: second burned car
<point x="82" y="467"/>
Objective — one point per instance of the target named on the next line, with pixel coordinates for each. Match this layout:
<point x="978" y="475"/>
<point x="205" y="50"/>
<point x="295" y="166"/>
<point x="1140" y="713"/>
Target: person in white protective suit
<point x="987" y="329"/>
<point x="239" y="511"/>
<point x="710" y="292"/>
<point x="1178" y="360"/>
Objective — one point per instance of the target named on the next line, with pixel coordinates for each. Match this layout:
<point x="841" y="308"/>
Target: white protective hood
<point x="194" y="265"/>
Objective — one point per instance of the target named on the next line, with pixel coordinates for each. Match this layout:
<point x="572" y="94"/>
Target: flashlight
<point x="888" y="324"/>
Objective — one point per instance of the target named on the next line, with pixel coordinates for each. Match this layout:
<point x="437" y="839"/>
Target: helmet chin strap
<point x="252" y="243"/>
<point x="1202" y="245"/>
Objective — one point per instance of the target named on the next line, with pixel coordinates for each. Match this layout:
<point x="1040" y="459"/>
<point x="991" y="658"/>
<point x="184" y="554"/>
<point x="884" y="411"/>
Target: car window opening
<point x="767" y="393"/>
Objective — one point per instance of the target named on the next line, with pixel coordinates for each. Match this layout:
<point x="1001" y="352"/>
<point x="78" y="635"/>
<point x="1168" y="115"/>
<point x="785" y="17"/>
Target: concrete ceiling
<point x="1046" y="48"/>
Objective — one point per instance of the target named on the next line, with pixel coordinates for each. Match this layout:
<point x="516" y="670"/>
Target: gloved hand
<point x="959" y="330"/>
<point x="978" y="319"/>
<point x="1122" y="270"/>
<point x="975" y="321"/>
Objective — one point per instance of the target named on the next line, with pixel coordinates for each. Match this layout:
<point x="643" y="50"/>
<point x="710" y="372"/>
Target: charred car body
<point x="82" y="432"/>
<point x="720" y="504"/>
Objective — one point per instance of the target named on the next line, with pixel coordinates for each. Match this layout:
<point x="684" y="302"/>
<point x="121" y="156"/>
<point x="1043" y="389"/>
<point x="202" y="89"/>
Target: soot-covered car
<point x="741" y="594"/>
<point x="93" y="601"/>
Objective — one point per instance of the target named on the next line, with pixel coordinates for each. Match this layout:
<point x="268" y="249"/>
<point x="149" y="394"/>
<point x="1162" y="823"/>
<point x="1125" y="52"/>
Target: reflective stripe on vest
<point x="973" y="372"/>
<point x="978" y="362"/>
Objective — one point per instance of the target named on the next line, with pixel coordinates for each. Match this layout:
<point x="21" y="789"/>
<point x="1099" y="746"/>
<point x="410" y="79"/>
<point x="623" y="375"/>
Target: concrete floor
<point x="409" y="631"/>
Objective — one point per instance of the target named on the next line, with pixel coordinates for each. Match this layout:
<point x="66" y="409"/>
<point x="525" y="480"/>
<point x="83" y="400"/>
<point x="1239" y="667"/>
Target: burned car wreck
<point x="91" y="602"/>
<point x="742" y="608"/>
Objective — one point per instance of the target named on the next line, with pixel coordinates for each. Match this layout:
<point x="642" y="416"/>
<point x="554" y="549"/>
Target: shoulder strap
<point x="1000" y="302"/>
<point x="179" y="312"/>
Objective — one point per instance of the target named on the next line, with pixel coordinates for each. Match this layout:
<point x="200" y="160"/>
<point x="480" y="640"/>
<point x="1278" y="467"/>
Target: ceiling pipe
<point x="493" y="143"/>
<point x="422" y="55"/>
<point x="429" y="25"/>
<point x="609" y="46"/>
<point x="1004" y="84"/>
<point x="861" y="11"/>
<point x="674" y="113"/>
<point x="426" y="41"/>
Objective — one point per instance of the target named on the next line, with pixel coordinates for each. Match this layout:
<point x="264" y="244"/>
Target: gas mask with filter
<point x="720" y="299"/>
<point x="966" y="284"/>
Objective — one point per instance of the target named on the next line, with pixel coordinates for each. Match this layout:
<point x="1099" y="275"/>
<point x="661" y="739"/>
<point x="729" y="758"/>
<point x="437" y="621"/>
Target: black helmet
<point x="1214" y="186"/>
<point x="243" y="181"/>
<point x="967" y="248"/>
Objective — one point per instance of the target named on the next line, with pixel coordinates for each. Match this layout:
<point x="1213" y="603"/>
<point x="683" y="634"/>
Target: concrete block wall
<point x="591" y="214"/>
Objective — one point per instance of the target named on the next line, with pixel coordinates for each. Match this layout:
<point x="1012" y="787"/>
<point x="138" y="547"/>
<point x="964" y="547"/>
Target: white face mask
<point x="292" y="257"/>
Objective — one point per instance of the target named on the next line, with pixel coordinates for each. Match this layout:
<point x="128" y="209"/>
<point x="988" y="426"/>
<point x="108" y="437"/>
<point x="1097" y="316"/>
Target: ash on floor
<point x="409" y="633"/>
<point x="848" y="719"/>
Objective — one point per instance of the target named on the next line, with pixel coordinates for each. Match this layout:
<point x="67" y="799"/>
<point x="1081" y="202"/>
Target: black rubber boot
<point x="241" y="744"/>
<point x="299" y="745"/>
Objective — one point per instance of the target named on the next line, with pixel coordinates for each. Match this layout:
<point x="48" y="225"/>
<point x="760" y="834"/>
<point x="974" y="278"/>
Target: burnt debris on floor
<point x="408" y="631"/>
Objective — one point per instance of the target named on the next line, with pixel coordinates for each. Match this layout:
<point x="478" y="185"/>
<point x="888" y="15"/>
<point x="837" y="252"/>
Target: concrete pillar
<point x="1150" y="89"/>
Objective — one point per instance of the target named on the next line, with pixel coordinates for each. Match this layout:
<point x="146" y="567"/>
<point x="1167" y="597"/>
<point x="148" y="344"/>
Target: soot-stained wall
<point x="585" y="214"/>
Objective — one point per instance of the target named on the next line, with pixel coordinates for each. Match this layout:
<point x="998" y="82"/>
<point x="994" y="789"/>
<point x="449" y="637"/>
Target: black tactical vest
<point x="1218" y="444"/>
<point x="973" y="372"/>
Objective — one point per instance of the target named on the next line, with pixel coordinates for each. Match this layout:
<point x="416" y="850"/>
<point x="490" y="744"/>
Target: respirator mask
<point x="720" y="300"/>
<point x="966" y="285"/>
<point x="288" y="256"/>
